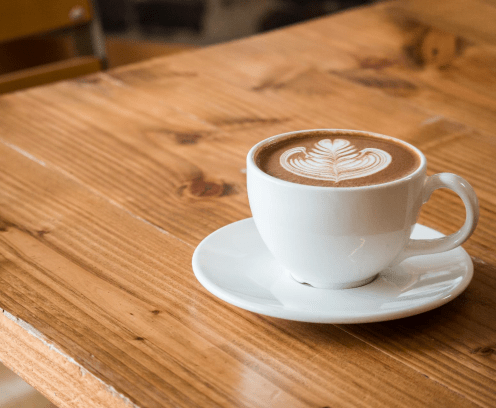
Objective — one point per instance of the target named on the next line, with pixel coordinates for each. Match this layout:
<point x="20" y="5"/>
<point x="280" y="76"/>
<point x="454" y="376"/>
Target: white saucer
<point x="234" y="264"/>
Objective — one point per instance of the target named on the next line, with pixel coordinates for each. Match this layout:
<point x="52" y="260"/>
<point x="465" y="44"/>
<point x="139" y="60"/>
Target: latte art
<point x="334" y="160"/>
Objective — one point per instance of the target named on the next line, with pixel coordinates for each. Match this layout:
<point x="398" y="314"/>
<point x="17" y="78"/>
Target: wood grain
<point x="110" y="181"/>
<point x="118" y="296"/>
<point x="54" y="71"/>
<point x="474" y="19"/>
<point x="28" y="353"/>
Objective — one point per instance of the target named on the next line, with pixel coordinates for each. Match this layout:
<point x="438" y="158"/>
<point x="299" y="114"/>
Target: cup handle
<point x="465" y="191"/>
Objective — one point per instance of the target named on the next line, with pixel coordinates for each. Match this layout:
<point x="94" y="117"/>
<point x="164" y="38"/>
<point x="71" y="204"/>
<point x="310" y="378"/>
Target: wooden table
<point x="109" y="182"/>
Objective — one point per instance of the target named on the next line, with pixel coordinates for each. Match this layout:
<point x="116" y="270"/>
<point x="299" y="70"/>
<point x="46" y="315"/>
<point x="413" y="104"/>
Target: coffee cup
<point x="337" y="207"/>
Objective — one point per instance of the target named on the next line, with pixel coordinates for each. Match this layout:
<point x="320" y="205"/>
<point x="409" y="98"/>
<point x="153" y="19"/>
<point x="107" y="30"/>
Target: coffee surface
<point x="337" y="159"/>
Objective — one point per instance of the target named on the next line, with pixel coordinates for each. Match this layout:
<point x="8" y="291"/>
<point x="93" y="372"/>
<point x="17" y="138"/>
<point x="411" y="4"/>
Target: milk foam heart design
<point x="334" y="160"/>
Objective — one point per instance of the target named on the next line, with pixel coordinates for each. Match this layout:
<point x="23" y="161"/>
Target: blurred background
<point x="42" y="41"/>
<point x="203" y="22"/>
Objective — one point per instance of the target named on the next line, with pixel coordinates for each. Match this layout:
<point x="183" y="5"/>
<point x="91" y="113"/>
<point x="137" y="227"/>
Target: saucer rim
<point x="317" y="317"/>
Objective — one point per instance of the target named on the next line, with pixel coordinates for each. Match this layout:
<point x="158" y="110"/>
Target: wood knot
<point x="5" y="225"/>
<point x="180" y="137"/>
<point x="155" y="312"/>
<point x="388" y="83"/>
<point x="485" y="351"/>
<point x="187" y="138"/>
<point x="41" y="233"/>
<point x="201" y="188"/>
<point x="433" y="47"/>
<point x="438" y="48"/>
<point x="138" y="338"/>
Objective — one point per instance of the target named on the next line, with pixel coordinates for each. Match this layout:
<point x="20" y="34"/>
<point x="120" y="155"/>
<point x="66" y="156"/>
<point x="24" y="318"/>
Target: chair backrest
<point x="65" y="33"/>
<point x="23" y="18"/>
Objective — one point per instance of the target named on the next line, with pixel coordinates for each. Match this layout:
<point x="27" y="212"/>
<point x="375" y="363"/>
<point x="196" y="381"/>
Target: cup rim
<point x="251" y="160"/>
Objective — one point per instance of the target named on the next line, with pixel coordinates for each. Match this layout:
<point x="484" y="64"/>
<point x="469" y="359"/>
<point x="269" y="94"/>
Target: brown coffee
<point x="337" y="159"/>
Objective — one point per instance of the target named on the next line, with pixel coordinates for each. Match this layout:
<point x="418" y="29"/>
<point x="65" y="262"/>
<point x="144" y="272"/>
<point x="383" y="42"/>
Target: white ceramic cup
<point x="342" y="237"/>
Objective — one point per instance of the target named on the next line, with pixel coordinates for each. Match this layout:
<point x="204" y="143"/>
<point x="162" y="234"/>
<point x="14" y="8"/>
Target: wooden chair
<point x="42" y="41"/>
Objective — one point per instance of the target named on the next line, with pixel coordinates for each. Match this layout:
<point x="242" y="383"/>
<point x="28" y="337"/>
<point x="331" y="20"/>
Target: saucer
<point x="234" y="264"/>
